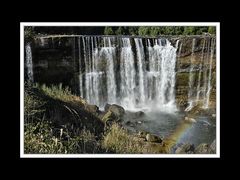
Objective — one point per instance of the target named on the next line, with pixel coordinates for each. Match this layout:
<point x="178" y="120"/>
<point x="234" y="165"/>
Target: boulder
<point x="189" y="120"/>
<point x="106" y="107"/>
<point x="116" y="109"/>
<point x="109" y="117"/>
<point x="142" y="134"/>
<point x="185" y="149"/>
<point x="202" y="149"/>
<point x="92" y="109"/>
<point x="138" y="114"/>
<point x="153" y="138"/>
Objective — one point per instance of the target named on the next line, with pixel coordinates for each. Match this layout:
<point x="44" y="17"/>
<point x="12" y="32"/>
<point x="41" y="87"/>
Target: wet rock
<point x="138" y="114"/>
<point x="142" y="134"/>
<point x="119" y="111"/>
<point x="153" y="138"/>
<point x="185" y="149"/>
<point x="189" y="120"/>
<point x="202" y="149"/>
<point x="128" y="123"/>
<point x="92" y="108"/>
<point x="109" y="117"/>
<point x="106" y="107"/>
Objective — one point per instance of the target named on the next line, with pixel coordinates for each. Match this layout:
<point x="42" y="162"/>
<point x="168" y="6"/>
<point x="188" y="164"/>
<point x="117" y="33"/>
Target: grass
<point x="60" y="92"/>
<point x="118" y="140"/>
<point x="43" y="136"/>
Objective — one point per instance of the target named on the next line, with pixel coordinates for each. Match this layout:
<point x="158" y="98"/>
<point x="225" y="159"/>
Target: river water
<point x="173" y="125"/>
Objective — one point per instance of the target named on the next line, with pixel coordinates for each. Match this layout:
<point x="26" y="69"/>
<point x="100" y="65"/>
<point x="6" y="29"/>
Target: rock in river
<point x="116" y="109"/>
<point x="153" y="138"/>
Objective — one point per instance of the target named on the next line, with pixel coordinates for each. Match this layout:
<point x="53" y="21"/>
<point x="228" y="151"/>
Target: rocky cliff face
<point x="56" y="60"/>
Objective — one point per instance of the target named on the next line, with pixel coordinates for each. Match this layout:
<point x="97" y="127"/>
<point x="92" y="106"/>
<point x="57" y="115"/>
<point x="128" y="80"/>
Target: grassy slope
<point x="56" y="122"/>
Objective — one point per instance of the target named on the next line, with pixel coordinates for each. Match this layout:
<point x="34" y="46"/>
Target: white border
<point x="22" y="155"/>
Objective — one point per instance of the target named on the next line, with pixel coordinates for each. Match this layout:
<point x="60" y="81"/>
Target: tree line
<point x="159" y="30"/>
<point x="31" y="31"/>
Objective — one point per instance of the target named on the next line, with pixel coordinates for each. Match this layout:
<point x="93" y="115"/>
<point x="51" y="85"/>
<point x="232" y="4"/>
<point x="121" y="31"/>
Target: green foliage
<point x="143" y="30"/>
<point x="189" y="30"/>
<point x="159" y="30"/>
<point x="108" y="30"/>
<point x="133" y="30"/>
<point x="212" y="29"/>
<point x="120" y="31"/>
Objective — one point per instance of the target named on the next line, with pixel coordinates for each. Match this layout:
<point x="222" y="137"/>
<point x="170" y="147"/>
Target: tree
<point x="133" y="30"/>
<point x="212" y="29"/>
<point x="108" y="31"/>
<point x="189" y="30"/>
<point x="143" y="30"/>
<point x="119" y="31"/>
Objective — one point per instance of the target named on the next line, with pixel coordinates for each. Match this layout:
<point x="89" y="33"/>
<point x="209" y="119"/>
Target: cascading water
<point x="141" y="70"/>
<point x="199" y="73"/>
<point x="191" y="79"/>
<point x="127" y="74"/>
<point x="205" y="68"/>
<point x="120" y="70"/>
<point x="209" y="87"/>
<point x="29" y="63"/>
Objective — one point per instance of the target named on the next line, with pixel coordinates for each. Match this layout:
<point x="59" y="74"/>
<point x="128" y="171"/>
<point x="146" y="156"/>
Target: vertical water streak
<point x="200" y="70"/>
<point x="141" y="69"/>
<point x="206" y="68"/>
<point x="29" y="63"/>
<point x="86" y="84"/>
<point x="80" y="69"/>
<point x="109" y="53"/>
<point x="206" y="103"/>
<point x="127" y="75"/>
<point x="191" y="79"/>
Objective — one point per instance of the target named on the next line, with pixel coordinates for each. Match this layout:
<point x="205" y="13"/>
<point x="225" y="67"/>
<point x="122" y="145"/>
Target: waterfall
<point x="109" y="53"/>
<point x="141" y="69"/>
<point x="80" y="69"/>
<point x="127" y="75"/>
<point x="200" y="70"/>
<point x="206" y="67"/>
<point x="29" y="63"/>
<point x="124" y="71"/>
<point x="206" y="100"/>
<point x="191" y="79"/>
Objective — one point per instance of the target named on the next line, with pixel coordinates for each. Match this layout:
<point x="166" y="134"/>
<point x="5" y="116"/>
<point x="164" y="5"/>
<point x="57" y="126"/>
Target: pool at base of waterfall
<point x="174" y="126"/>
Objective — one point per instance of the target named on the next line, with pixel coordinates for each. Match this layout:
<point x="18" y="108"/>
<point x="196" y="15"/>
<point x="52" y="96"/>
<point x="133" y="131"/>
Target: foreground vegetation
<point x="43" y="134"/>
